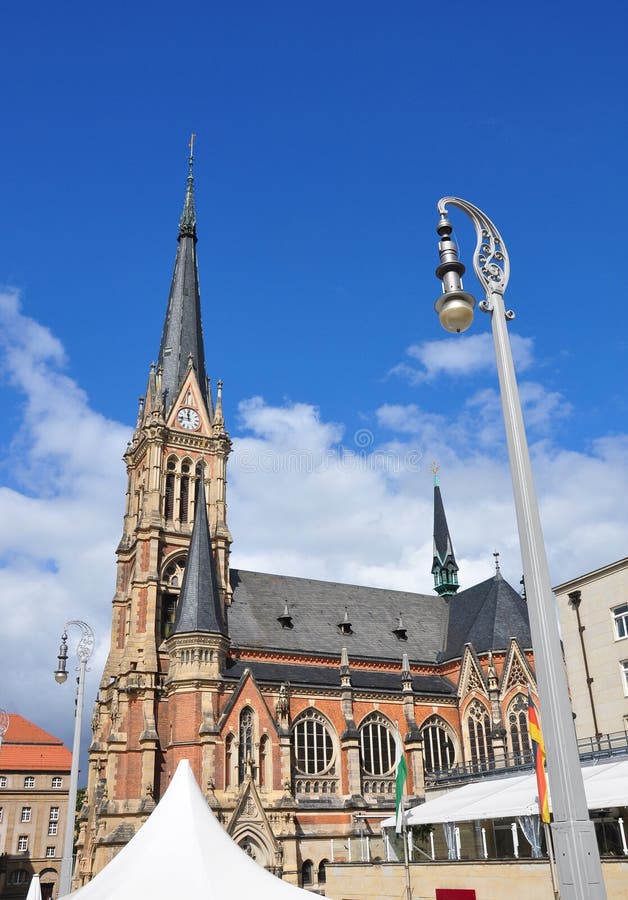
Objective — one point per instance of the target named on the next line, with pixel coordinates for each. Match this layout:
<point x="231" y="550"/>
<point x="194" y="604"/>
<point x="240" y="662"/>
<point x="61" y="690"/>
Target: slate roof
<point x="200" y="607"/>
<point x="329" y="676"/>
<point x="28" y="748"/>
<point x="488" y="615"/>
<point x="182" y="336"/>
<point x="317" y="607"/>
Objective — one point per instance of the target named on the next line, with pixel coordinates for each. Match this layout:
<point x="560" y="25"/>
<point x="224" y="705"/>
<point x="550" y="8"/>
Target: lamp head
<point x="455" y="310"/>
<point x="61" y="674"/>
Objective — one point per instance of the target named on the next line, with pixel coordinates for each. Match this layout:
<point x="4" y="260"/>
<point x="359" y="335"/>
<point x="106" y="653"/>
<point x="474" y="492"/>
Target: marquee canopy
<point x="606" y="785"/>
<point x="183" y="851"/>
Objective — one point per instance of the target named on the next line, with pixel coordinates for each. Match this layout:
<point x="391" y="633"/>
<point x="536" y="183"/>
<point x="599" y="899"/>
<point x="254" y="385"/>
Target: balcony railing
<point x="373" y="785"/>
<point x="312" y="784"/>
<point x="599" y="747"/>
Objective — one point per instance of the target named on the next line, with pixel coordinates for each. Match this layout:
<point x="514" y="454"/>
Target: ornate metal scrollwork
<point x="490" y="258"/>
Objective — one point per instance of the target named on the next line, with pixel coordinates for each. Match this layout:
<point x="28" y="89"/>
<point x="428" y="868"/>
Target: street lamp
<point x="577" y="856"/>
<point x="83" y="651"/>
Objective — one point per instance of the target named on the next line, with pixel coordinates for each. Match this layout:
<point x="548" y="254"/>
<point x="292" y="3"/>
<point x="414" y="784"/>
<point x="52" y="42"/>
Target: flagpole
<point x="406" y="857"/>
<point x="552" y="863"/>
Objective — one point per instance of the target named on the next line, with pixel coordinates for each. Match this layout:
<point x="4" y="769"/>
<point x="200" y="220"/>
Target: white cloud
<point x="60" y="519"/>
<point x="463" y="355"/>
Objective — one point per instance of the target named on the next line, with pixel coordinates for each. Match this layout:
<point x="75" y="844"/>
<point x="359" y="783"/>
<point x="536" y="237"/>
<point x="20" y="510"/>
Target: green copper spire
<point x="187" y="225"/>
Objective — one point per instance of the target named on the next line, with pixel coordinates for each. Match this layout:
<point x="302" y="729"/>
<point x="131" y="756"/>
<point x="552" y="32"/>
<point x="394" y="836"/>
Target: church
<point x="284" y="693"/>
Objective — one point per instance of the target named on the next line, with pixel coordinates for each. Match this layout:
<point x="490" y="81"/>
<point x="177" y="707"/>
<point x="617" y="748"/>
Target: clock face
<point x="188" y="418"/>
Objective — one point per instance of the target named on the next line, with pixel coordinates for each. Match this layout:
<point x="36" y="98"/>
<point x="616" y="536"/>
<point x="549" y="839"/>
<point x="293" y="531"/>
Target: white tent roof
<point x="34" y="889"/>
<point x="183" y="851"/>
<point x="605" y="784"/>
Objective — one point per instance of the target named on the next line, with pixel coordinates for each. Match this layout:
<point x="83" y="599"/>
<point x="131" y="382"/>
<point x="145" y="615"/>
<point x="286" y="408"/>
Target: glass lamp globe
<point x="455" y="311"/>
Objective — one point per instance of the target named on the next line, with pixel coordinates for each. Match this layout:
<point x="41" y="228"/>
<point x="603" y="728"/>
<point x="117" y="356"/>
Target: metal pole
<point x="65" y="878"/>
<point x="577" y="855"/>
<point x="406" y="860"/>
<point x="84" y="651"/>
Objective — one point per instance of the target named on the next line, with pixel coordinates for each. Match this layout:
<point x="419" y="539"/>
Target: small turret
<point x="444" y="566"/>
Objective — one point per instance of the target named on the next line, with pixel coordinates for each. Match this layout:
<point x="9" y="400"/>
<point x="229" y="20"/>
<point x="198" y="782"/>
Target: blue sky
<point x="326" y="134"/>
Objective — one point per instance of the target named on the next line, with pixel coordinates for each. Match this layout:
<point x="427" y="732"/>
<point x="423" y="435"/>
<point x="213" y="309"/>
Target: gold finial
<point x="191" y="145"/>
<point x="435" y="468"/>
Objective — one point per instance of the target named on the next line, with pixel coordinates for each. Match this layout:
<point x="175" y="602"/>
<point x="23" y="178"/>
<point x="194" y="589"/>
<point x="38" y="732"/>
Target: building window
<point x="57" y="783"/>
<point x="172" y="576"/>
<point x="52" y="828"/>
<point x="50" y="852"/>
<point x="480" y="745"/>
<point x="313" y="744"/>
<point x="322" y="874"/>
<point x="438" y="748"/>
<point x="245" y="747"/>
<point x="265" y="768"/>
<point x="54" y="813"/>
<point x="518" y="729"/>
<point x="620" y="617"/>
<point x="18" y="877"/>
<point x="624" y="675"/>
<point x="22" y="843"/>
<point x="26" y="814"/>
<point x="169" y="498"/>
<point x="3" y="781"/>
<point x="1" y="813"/>
<point x="306" y="872"/>
<point x="184" y="497"/>
<point x="377" y="747"/>
<point x="29" y="782"/>
<point x="229" y="760"/>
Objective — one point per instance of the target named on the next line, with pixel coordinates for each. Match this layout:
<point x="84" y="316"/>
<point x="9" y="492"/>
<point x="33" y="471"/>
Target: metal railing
<point x="601" y="746"/>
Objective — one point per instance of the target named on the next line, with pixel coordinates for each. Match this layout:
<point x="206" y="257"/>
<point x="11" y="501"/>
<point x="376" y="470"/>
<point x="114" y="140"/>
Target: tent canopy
<point x="606" y="785"/>
<point x="183" y="851"/>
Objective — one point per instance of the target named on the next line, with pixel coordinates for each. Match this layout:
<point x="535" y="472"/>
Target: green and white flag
<point x="401" y="773"/>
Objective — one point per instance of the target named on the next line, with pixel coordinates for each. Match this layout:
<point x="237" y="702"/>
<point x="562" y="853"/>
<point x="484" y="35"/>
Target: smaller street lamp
<point x="83" y="651"/>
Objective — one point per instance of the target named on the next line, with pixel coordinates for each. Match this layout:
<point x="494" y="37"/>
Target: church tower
<point x="176" y="464"/>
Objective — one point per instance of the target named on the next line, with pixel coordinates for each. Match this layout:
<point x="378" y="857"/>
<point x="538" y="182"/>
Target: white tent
<point x="605" y="784"/>
<point x="183" y="851"/>
<point x="34" y="889"/>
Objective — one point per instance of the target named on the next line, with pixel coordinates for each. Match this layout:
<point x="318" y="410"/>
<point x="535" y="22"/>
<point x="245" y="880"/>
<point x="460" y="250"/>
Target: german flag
<point x="538" y="748"/>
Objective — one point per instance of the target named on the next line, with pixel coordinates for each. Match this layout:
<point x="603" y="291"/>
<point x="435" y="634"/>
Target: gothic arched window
<point x="313" y="744"/>
<point x="480" y="744"/>
<point x="245" y="747"/>
<point x="265" y="767"/>
<point x="518" y="736"/>
<point x="229" y="761"/>
<point x="169" y="488"/>
<point x="377" y="746"/>
<point x="438" y="747"/>
<point x="322" y="873"/>
<point x="306" y="872"/>
<point x="171" y="579"/>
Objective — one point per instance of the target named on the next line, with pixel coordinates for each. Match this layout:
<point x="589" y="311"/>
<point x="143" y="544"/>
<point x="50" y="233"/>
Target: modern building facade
<point x="284" y="693"/>
<point x="34" y="784"/>
<point x="593" y="610"/>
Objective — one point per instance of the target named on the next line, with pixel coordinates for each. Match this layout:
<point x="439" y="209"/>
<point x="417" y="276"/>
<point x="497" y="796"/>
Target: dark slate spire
<point x="444" y="566"/>
<point x="182" y="336"/>
<point x="200" y="608"/>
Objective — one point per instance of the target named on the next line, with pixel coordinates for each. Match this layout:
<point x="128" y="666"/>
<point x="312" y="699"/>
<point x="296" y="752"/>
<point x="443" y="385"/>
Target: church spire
<point x="444" y="566"/>
<point x="200" y="607"/>
<point x="182" y="335"/>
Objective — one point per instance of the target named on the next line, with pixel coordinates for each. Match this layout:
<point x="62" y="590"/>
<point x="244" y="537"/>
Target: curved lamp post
<point x="577" y="856"/>
<point x="83" y="651"/>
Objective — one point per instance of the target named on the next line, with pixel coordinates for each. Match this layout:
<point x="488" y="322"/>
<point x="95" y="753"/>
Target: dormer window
<point x="344" y="627"/>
